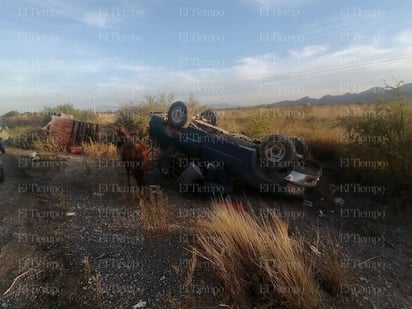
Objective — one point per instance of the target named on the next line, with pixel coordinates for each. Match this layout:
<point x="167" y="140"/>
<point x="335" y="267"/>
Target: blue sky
<point x="237" y="52"/>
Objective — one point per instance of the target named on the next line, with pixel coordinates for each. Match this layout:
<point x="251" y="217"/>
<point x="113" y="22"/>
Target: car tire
<point x="177" y="115"/>
<point x="210" y="116"/>
<point x="275" y="151"/>
<point x="301" y="147"/>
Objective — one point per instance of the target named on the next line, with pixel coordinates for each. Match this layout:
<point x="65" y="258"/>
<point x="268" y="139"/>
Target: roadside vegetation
<point x="370" y="144"/>
<point x="257" y="260"/>
<point x="260" y="262"/>
<point x="383" y="137"/>
<point x="135" y="117"/>
<point x="378" y="134"/>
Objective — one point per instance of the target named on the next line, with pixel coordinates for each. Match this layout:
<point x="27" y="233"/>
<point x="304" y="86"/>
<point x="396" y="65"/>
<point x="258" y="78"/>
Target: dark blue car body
<point x="237" y="156"/>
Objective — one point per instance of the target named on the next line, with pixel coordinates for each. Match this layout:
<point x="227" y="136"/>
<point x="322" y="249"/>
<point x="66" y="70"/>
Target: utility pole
<point x="93" y="93"/>
<point x="94" y="103"/>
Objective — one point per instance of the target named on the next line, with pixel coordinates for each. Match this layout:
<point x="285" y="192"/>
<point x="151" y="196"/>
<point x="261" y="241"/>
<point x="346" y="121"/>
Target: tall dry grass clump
<point x="257" y="261"/>
<point x="154" y="209"/>
<point x="100" y="150"/>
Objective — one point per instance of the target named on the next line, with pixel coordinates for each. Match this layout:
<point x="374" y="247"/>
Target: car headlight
<point x="302" y="179"/>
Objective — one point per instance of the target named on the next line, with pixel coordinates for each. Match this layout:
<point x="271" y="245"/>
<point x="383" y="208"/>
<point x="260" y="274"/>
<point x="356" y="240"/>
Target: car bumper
<point x="302" y="179"/>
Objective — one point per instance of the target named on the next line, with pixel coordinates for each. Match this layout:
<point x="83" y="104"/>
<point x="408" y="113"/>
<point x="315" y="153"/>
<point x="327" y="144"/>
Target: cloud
<point x="308" y="51"/>
<point x="79" y="11"/>
<point x="94" y="19"/>
<point x="254" y="68"/>
<point x="282" y="3"/>
<point x="314" y="70"/>
<point x="404" y="38"/>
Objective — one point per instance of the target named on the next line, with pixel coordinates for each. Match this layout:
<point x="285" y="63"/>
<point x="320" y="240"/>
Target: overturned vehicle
<point x="204" y="158"/>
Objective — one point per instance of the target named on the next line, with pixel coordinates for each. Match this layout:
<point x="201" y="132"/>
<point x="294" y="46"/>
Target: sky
<point x="242" y="52"/>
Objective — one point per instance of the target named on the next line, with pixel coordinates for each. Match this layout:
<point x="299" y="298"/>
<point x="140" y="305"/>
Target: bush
<point x="383" y="135"/>
<point x="135" y="116"/>
<point x="257" y="261"/>
<point x="24" y="137"/>
<point x="259" y="124"/>
<point x="99" y="150"/>
<point x="68" y="108"/>
<point x="154" y="209"/>
<point x="16" y="120"/>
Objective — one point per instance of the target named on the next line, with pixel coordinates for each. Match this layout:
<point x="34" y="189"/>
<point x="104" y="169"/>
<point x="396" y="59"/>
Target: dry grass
<point x="48" y="146"/>
<point x="313" y="123"/>
<point x="330" y="272"/>
<point x="190" y="271"/>
<point x="153" y="205"/>
<point x="27" y="120"/>
<point x="87" y="267"/>
<point x="189" y="300"/>
<point x="95" y="279"/>
<point x="332" y="275"/>
<point x="106" y="118"/>
<point x="257" y="261"/>
<point x="327" y="128"/>
<point x="100" y="150"/>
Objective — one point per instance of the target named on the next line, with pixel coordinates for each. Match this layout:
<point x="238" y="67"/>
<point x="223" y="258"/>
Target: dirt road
<point x="70" y="238"/>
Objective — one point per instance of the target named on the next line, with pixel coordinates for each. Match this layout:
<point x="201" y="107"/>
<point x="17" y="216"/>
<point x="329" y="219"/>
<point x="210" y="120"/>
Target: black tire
<point x="276" y="151"/>
<point x="1" y="173"/>
<point x="177" y="115"/>
<point x="210" y="116"/>
<point x="301" y="147"/>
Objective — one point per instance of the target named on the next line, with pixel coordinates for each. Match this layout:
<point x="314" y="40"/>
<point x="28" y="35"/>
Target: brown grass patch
<point x="100" y="150"/>
<point x="153" y="206"/>
<point x="315" y="123"/>
<point x="258" y="262"/>
<point x="330" y="272"/>
<point x="189" y="300"/>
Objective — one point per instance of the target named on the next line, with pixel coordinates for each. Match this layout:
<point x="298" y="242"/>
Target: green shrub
<point x="385" y="135"/>
<point x="68" y="108"/>
<point x="259" y="124"/>
<point x="24" y="138"/>
<point x="135" y="116"/>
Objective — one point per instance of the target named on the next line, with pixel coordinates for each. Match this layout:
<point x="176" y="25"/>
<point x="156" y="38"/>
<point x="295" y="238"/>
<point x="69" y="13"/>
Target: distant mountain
<point x="368" y="96"/>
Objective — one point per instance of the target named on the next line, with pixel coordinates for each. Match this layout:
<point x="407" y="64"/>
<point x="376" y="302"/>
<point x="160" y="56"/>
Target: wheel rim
<point x="209" y="116"/>
<point x="275" y="152"/>
<point x="178" y="114"/>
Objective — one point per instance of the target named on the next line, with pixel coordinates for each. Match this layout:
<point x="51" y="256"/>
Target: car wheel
<point x="177" y="114"/>
<point x="301" y="147"/>
<point x="275" y="151"/>
<point x="210" y="116"/>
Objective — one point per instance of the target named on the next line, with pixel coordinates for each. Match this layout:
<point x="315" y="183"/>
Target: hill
<point x="368" y="96"/>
